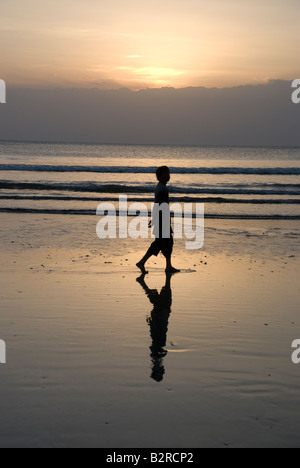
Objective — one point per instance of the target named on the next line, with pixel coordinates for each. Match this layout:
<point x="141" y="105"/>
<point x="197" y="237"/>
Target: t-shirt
<point x="161" y="193"/>
<point x="161" y="196"/>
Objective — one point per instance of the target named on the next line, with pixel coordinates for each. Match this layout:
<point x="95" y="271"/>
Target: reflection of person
<point x="158" y="322"/>
<point x="161" y="244"/>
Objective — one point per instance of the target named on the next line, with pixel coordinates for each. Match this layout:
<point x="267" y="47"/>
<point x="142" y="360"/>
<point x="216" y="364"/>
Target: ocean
<point x="233" y="182"/>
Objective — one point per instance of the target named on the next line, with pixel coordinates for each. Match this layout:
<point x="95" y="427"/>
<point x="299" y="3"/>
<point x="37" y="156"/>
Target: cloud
<point x="134" y="56"/>
<point x="261" y="115"/>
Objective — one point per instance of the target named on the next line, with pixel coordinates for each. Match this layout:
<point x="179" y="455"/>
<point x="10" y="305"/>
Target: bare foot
<point x="172" y="270"/>
<point x="141" y="266"/>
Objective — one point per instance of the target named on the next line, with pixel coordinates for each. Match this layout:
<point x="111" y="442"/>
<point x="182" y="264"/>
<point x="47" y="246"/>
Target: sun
<point x="153" y="76"/>
<point x="158" y="75"/>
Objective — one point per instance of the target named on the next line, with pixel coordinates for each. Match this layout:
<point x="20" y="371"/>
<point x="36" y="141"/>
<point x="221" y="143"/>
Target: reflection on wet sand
<point x="158" y="322"/>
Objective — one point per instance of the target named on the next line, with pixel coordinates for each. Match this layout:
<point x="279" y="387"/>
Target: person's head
<point x="163" y="174"/>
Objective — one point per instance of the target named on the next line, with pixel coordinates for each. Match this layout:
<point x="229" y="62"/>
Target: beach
<point x="78" y="328"/>
<point x="149" y="227"/>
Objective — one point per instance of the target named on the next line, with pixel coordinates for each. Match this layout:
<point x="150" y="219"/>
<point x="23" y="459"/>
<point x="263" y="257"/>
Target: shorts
<point x="165" y="246"/>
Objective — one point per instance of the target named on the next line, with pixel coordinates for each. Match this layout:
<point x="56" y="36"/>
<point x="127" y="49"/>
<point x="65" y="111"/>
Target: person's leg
<point x="169" y="267"/>
<point x="169" y="262"/>
<point x="154" y="249"/>
<point x="167" y="252"/>
<point x="141" y="264"/>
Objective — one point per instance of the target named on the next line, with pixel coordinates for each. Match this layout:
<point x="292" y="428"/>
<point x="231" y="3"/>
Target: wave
<point x="93" y="213"/>
<point x="151" y="170"/>
<point x="94" y="187"/>
<point x="183" y="199"/>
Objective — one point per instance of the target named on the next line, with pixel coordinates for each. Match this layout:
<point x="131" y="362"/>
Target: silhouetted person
<point x="158" y="322"/>
<point x="161" y="244"/>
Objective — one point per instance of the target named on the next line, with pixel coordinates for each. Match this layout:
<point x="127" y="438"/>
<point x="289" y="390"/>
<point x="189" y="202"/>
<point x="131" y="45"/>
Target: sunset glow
<point x="138" y="44"/>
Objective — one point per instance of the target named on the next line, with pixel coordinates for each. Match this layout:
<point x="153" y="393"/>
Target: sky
<point x="138" y="44"/>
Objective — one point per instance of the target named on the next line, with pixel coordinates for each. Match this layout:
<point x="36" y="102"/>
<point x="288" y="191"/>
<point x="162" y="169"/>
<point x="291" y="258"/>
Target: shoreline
<point x="72" y="212"/>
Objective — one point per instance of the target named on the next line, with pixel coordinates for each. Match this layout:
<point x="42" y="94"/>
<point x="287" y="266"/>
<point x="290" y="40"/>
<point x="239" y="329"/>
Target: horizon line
<point x="47" y="142"/>
<point x="125" y="88"/>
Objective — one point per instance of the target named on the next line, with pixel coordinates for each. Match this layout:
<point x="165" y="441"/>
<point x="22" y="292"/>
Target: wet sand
<point x="96" y="358"/>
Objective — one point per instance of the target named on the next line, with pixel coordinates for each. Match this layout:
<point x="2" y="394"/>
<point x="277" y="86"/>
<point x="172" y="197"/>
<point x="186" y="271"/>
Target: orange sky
<point x="138" y="44"/>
